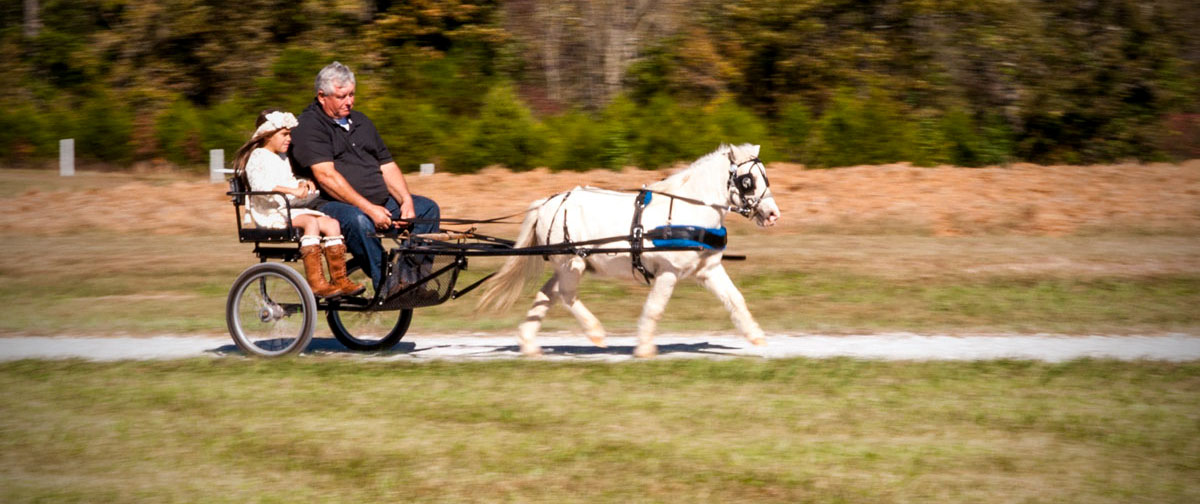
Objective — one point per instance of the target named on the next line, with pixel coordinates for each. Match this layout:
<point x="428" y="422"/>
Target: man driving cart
<point x="360" y="184"/>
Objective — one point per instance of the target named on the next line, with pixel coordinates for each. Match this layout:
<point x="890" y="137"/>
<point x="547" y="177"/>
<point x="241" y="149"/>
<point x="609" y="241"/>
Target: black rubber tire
<point x="344" y="326"/>
<point x="367" y="343"/>
<point x="252" y="307"/>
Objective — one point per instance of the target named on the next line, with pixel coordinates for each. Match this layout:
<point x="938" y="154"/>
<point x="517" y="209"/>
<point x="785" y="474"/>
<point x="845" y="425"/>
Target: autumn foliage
<point x="576" y="85"/>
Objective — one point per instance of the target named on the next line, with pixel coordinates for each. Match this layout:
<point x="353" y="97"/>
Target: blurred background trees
<point x="578" y="84"/>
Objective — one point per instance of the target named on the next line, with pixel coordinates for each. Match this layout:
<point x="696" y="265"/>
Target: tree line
<point x="581" y="84"/>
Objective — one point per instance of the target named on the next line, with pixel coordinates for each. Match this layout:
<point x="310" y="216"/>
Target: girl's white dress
<point x="266" y="170"/>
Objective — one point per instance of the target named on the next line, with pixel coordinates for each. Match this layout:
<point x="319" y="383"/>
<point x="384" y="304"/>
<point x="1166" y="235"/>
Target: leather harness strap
<point x="635" y="235"/>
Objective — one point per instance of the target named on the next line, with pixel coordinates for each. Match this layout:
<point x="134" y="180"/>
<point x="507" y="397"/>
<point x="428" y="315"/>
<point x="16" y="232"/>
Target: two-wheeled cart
<point x="271" y="310"/>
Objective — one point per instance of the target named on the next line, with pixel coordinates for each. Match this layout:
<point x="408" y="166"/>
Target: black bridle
<point x="744" y="187"/>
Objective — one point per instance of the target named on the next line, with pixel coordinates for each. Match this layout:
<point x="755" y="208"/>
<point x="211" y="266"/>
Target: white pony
<point x="732" y="178"/>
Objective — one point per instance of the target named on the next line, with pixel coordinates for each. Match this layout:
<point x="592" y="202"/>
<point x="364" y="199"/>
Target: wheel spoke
<point x="367" y="330"/>
<point x="270" y="312"/>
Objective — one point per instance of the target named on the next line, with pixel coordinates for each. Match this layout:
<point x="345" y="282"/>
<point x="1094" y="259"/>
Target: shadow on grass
<point x="324" y="345"/>
<point x="703" y="348"/>
<point x="586" y="351"/>
<point x="333" y="346"/>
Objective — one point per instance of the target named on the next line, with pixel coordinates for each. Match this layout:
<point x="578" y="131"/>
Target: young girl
<point x="263" y="161"/>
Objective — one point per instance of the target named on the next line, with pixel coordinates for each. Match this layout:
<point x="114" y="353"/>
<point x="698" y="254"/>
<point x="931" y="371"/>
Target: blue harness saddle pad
<point x="688" y="236"/>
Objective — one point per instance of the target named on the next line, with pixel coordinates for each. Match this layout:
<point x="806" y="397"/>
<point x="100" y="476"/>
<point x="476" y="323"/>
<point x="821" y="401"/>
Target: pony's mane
<point x="676" y="180"/>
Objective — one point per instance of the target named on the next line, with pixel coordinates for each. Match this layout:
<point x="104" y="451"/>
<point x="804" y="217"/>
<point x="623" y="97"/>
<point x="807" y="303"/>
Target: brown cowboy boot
<point x="314" y="273"/>
<point x="336" y="256"/>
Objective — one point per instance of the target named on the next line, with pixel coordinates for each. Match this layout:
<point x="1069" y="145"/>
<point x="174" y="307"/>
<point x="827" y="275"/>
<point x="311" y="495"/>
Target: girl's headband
<point x="276" y="121"/>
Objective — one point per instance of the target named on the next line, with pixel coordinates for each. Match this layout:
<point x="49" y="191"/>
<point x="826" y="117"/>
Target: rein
<point x="742" y="185"/>
<point x="451" y="220"/>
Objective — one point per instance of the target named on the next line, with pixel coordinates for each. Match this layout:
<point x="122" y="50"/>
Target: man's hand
<point x="379" y="215"/>
<point x="398" y="188"/>
<point x="406" y="211"/>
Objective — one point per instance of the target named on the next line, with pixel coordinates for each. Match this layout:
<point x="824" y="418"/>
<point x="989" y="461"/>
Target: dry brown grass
<point x="861" y="248"/>
<point x="1019" y="199"/>
<point x="933" y="257"/>
<point x="105" y="283"/>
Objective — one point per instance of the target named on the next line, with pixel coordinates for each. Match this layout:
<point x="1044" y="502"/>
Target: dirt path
<point x="473" y="347"/>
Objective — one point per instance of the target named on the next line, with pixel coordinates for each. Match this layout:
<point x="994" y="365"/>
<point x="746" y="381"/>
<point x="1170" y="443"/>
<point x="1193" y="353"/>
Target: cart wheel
<point x="271" y="311"/>
<point x="366" y="331"/>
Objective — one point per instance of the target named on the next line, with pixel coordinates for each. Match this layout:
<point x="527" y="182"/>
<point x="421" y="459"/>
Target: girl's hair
<point x="243" y="153"/>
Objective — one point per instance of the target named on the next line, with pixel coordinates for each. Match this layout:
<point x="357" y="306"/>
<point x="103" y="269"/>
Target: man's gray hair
<point x="333" y="74"/>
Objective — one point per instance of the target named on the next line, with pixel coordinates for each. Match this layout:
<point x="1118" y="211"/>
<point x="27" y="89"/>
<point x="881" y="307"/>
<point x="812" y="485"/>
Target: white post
<point x="66" y="157"/>
<point x="216" y="165"/>
<point x="426" y="169"/>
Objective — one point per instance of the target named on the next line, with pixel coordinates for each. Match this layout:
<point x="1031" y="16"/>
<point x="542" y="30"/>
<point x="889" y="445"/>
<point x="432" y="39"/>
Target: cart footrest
<point x="417" y="280"/>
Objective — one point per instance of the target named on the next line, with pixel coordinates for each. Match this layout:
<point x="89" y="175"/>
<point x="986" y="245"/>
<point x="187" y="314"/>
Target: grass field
<point x="101" y="283"/>
<point x="338" y="429"/>
<point x="155" y="253"/>
<point x="329" y="430"/>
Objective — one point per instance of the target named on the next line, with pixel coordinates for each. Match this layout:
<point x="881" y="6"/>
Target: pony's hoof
<point x="531" y="352"/>
<point x="645" y="351"/>
<point x="598" y="341"/>
<point x="760" y="341"/>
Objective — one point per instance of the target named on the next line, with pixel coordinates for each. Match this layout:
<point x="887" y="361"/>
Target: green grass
<point x="329" y="430"/>
<point x="842" y="302"/>
<point x="111" y="283"/>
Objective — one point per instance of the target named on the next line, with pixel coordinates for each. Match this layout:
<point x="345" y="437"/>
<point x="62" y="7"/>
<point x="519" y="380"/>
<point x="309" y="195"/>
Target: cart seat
<point x="238" y="191"/>
<point x="253" y="234"/>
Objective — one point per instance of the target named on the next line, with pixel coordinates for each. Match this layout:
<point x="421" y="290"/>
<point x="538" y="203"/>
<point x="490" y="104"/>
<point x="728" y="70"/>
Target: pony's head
<point x="749" y="189"/>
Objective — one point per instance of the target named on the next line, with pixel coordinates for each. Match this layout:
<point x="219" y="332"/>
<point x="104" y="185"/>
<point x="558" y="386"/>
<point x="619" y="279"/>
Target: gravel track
<point x="564" y="346"/>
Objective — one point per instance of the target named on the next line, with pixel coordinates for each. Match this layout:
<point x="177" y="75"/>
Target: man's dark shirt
<point x="356" y="154"/>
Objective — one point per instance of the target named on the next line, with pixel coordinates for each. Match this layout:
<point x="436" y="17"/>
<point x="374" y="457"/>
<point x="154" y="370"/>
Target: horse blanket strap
<point x="688" y="236"/>
<point x="635" y="235"/>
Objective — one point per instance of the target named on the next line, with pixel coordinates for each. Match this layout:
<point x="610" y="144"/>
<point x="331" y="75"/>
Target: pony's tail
<point x="504" y="288"/>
